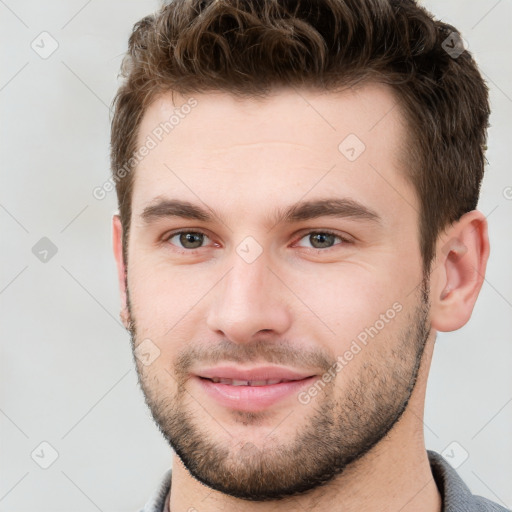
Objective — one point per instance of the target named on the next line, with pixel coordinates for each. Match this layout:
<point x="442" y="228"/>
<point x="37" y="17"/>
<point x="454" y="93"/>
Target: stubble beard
<point x="340" y="429"/>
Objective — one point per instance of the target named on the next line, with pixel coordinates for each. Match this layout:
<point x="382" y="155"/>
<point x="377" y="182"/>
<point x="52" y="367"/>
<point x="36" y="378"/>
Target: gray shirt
<point x="455" y="494"/>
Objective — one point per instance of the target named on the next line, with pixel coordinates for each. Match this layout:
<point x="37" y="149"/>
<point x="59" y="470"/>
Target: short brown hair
<point x="249" y="47"/>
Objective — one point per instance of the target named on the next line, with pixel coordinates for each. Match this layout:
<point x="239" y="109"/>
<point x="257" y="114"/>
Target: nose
<point x="249" y="301"/>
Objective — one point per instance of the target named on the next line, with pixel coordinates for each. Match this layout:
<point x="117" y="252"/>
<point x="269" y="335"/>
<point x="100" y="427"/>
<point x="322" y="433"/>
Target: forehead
<point x="216" y="143"/>
<point x="297" y="115"/>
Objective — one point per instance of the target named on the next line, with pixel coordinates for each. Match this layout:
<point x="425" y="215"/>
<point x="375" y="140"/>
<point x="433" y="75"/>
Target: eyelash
<point x="344" y="240"/>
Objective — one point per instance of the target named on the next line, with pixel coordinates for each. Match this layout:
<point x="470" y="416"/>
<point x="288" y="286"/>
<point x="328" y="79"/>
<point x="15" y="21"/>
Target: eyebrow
<point x="303" y="210"/>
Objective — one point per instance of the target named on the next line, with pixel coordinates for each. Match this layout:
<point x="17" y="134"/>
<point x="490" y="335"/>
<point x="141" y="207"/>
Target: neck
<point x="394" y="476"/>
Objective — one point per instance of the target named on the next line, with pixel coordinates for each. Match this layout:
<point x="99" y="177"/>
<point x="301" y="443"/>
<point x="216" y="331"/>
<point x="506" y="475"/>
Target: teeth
<point x="237" y="382"/>
<point x="234" y="382"/>
<point x="262" y="382"/>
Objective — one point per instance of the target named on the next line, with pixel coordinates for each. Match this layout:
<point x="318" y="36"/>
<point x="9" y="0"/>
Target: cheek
<point x="163" y="298"/>
<point x="369" y="313"/>
<point x="350" y="298"/>
<point x="171" y="302"/>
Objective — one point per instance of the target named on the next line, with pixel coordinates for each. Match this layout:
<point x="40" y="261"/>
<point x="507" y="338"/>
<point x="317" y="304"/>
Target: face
<point x="275" y="283"/>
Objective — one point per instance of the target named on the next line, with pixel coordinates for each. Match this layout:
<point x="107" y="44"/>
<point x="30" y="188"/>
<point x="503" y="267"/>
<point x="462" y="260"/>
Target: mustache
<point x="261" y="351"/>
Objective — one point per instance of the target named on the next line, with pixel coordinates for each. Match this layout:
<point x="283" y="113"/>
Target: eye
<point x="191" y="240"/>
<point x="187" y="239"/>
<point x="322" y="239"/>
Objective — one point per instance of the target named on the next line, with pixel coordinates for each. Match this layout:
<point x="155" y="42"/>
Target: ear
<point x="458" y="271"/>
<point x="117" y="241"/>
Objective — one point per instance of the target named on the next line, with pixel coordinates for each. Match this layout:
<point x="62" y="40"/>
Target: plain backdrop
<point x="67" y="376"/>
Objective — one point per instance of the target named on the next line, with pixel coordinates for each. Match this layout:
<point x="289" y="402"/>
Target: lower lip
<point x="252" y="398"/>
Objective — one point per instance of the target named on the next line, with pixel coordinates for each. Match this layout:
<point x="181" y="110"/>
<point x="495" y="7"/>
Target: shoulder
<point x="485" y="505"/>
<point x="456" y="495"/>
<point x="156" y="502"/>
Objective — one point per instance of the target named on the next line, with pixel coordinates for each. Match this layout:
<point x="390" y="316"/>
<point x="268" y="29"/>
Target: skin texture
<point x="358" y="442"/>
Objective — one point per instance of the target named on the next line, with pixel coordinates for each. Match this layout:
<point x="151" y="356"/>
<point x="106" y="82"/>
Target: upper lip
<point x="256" y="374"/>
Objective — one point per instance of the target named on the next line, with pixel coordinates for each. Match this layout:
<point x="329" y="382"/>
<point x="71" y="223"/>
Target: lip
<point x="252" y="398"/>
<point x="259" y="373"/>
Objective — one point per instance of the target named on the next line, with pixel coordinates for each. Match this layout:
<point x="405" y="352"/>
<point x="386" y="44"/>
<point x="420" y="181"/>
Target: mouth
<point x="234" y="382"/>
<point x="251" y="390"/>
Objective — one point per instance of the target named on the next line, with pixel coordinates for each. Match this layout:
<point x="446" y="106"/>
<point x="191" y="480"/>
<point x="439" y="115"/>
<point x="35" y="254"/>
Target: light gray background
<point x="67" y="376"/>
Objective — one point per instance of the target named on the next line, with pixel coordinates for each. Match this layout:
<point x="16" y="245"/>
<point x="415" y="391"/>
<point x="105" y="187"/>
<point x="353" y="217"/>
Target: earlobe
<point x="117" y="242"/>
<point x="459" y="270"/>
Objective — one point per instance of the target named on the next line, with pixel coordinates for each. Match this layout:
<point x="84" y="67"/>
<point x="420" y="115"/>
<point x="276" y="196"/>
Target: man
<point x="297" y="186"/>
